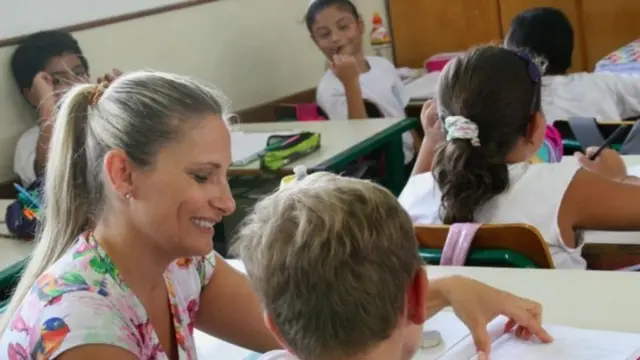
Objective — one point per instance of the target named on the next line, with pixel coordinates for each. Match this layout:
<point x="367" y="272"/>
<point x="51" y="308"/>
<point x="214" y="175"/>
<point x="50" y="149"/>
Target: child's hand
<point x="42" y="94"/>
<point x="109" y="77"/>
<point x="431" y="125"/>
<point x="477" y="304"/>
<point x="42" y="86"/>
<point x="346" y="68"/>
<point x="609" y="163"/>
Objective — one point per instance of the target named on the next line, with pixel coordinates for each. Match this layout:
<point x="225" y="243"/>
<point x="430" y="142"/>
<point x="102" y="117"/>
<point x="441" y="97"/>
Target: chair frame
<point x="519" y="238"/>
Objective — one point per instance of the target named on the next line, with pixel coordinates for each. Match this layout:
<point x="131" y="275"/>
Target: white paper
<point x="634" y="170"/>
<point x="569" y="344"/>
<point x="424" y="87"/>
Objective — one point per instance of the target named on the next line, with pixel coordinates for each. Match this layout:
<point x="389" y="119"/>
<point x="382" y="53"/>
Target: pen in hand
<point x="616" y="134"/>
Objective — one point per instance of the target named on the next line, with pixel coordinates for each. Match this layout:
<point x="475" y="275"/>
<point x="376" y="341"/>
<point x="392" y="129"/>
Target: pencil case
<point x="282" y="150"/>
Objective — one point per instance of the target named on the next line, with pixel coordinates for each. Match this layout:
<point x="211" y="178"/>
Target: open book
<point x="569" y="343"/>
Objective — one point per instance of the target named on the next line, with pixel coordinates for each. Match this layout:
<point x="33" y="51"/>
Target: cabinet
<point x="422" y="28"/>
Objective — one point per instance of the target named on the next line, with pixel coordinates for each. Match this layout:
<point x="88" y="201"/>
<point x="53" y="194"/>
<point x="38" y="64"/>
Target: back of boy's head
<point x="316" y="6"/>
<point x="494" y="88"/>
<point x="35" y="52"/>
<point x="331" y="258"/>
<point x="547" y="32"/>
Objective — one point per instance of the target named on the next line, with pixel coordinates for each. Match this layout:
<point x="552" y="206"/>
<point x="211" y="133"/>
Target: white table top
<point x="569" y="298"/>
<point x="336" y="137"/>
<point x="424" y="87"/>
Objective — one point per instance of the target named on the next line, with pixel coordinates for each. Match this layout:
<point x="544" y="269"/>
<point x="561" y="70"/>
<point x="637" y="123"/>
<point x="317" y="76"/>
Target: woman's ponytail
<point x="66" y="202"/>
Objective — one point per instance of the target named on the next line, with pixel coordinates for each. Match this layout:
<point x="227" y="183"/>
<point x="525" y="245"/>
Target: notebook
<point x="423" y="88"/>
<point x="634" y="170"/>
<point x="569" y="344"/>
<point x="247" y="146"/>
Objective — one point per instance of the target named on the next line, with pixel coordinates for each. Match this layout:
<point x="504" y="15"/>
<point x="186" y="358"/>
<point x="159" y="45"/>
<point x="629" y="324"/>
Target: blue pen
<point x="26" y="194"/>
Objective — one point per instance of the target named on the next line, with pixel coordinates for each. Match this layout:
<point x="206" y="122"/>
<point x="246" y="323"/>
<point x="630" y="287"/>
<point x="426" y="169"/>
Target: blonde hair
<point x="139" y="113"/>
<point x="331" y="259"/>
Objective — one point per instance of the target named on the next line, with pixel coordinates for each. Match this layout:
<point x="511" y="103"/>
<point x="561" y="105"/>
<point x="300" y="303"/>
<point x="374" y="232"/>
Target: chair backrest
<point x="299" y="112"/>
<point x="518" y="238"/>
<point x="580" y="133"/>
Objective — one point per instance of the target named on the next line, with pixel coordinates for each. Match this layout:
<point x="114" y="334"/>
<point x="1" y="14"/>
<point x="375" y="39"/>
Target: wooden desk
<point x="342" y="142"/>
<point x="610" y="306"/>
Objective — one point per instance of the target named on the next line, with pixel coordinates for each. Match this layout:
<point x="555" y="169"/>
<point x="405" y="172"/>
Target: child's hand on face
<point x="346" y="68"/>
<point x="609" y="163"/>
<point x="431" y="125"/>
<point x="43" y="94"/>
<point x="109" y="77"/>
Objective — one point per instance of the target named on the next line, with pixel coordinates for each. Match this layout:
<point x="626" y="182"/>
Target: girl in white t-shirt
<point x="353" y="78"/>
<point x="548" y="33"/>
<point x="489" y="102"/>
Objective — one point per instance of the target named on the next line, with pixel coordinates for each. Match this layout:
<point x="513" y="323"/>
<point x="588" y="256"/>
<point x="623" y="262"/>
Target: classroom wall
<point x="254" y="50"/>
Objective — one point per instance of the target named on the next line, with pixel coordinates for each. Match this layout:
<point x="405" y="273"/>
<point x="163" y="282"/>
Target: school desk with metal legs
<point x="342" y="142"/>
<point x="569" y="298"/>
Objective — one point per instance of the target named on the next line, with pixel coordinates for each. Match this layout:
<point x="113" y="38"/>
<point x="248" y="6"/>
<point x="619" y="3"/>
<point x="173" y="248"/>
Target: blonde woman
<point x="124" y="267"/>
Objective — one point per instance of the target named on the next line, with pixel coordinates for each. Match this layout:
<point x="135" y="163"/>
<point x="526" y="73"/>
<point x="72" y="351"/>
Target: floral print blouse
<point x="82" y="300"/>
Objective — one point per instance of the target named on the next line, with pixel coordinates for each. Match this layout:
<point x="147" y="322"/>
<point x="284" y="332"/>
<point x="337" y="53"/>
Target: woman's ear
<point x="119" y="170"/>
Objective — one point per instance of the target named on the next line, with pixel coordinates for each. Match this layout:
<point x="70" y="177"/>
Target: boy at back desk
<point x="45" y="65"/>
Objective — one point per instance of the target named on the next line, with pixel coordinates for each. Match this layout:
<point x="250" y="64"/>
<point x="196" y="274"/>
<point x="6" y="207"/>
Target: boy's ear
<point x="268" y="321"/>
<point x="417" y="298"/>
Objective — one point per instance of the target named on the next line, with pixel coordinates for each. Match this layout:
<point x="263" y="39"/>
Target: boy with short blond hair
<point x="335" y="263"/>
<point x="336" y="269"/>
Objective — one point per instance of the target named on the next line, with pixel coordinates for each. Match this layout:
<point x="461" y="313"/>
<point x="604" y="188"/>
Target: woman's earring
<point x="127" y="196"/>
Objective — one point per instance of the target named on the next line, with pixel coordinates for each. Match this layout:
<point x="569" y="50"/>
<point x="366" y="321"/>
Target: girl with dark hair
<point x="489" y="107"/>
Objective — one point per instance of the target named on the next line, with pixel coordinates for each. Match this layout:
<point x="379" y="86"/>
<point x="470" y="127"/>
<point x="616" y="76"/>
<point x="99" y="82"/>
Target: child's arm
<point x="433" y="137"/>
<point x="44" y="94"/>
<point x="346" y="69"/>
<point x="601" y="196"/>
<point x="627" y="91"/>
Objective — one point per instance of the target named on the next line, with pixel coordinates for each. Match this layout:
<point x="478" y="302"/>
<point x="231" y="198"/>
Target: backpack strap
<point x="631" y="145"/>
<point x="458" y="242"/>
<point x="554" y="141"/>
<point x="586" y="132"/>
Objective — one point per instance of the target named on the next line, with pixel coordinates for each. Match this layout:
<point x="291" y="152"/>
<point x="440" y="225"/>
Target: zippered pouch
<point x="282" y="150"/>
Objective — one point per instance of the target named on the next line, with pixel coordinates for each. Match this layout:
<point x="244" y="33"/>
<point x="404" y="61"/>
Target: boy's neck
<point x="393" y="348"/>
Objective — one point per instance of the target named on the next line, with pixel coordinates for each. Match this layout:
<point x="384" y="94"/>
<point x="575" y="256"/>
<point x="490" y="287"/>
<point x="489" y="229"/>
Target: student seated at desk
<point x="340" y="277"/>
<point x="44" y="67"/>
<point x="489" y="107"/>
<point x="547" y="32"/>
<point x="337" y="29"/>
